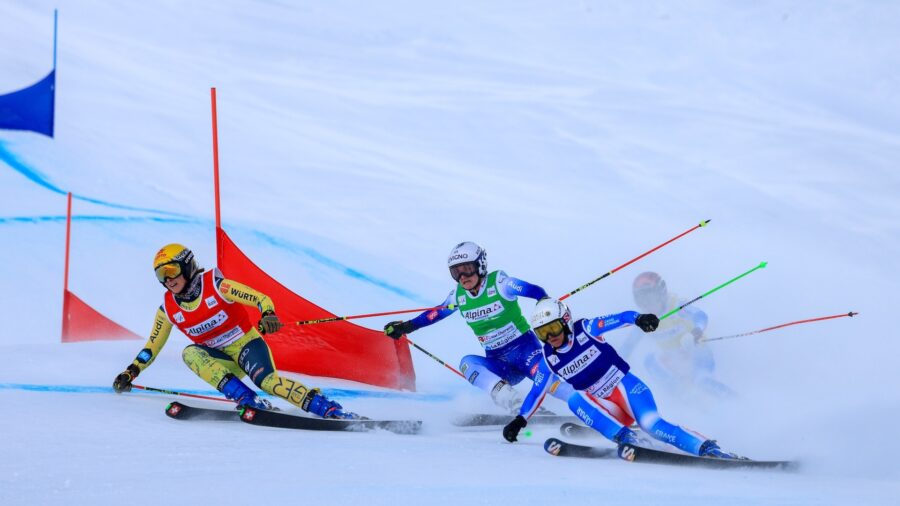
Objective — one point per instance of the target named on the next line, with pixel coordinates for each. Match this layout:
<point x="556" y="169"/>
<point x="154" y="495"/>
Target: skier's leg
<point x="595" y="414"/>
<point x="254" y="357"/>
<point x="641" y="403"/>
<point x="219" y="370"/>
<point x="493" y="375"/>
<point x="210" y="364"/>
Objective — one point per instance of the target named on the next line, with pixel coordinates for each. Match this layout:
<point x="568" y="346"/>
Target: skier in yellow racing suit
<point x="210" y="310"/>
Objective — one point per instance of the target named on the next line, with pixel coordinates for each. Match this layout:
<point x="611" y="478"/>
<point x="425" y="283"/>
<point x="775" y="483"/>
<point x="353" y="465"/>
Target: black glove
<point x="396" y="330"/>
<point x="512" y="428"/>
<point x="269" y="323"/>
<point x="647" y="322"/>
<point x="123" y="381"/>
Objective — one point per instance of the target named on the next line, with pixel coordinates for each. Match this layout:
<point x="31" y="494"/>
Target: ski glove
<point x="316" y="403"/>
<point x="269" y="323"/>
<point x="647" y="322"/>
<point x="123" y="381"/>
<point x="512" y="428"/>
<point x="396" y="330"/>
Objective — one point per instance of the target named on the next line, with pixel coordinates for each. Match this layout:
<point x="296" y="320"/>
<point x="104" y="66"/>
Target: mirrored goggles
<point x="167" y="271"/>
<point x="554" y="328"/>
<point x="466" y="269"/>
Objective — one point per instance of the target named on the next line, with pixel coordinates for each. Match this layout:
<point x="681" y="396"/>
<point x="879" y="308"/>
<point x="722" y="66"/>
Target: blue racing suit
<point x="605" y="386"/>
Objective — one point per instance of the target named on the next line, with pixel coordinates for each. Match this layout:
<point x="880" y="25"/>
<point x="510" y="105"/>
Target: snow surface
<point x="360" y="141"/>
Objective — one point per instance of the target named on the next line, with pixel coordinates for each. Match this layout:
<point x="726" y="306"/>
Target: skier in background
<point x="226" y="345"/>
<point x="489" y="304"/>
<point x="577" y="352"/>
<point x="678" y="357"/>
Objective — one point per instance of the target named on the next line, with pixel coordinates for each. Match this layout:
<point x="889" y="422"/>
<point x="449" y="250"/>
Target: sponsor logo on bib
<point x="179" y="317"/>
<point x="482" y="313"/>
<point x="207" y="325"/>
<point x="579" y="363"/>
<point x="211" y="302"/>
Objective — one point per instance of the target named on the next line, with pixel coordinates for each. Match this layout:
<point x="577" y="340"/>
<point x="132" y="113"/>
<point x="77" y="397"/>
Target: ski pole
<point x="761" y="265"/>
<point x="370" y="315"/>
<point x="582" y="287"/>
<point x="423" y="350"/>
<point x="850" y="314"/>
<point x="185" y="394"/>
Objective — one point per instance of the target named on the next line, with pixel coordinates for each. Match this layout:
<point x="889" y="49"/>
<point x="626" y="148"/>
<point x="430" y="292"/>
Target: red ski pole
<point x="851" y="314"/>
<point x="184" y="394"/>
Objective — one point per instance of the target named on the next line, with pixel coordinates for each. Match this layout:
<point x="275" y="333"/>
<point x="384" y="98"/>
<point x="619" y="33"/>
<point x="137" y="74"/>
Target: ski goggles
<point x="465" y="269"/>
<point x="168" y="271"/>
<point x="554" y="328"/>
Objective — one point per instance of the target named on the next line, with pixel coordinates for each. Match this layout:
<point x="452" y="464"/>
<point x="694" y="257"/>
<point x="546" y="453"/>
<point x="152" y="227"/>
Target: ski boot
<point x="236" y="390"/>
<point x="506" y="397"/>
<point x="711" y="449"/>
<point x="626" y="438"/>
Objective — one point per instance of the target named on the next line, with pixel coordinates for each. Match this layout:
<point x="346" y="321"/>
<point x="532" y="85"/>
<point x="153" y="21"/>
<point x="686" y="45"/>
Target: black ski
<point x="181" y="411"/>
<point x="491" y="419"/>
<point x="288" y="421"/>
<point x="633" y="453"/>
<point x="560" y="448"/>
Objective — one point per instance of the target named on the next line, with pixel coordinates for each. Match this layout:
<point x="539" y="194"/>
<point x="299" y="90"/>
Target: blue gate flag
<point x="30" y="108"/>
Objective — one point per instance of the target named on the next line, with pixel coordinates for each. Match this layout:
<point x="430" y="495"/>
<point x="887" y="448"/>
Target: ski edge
<point x="288" y="421"/>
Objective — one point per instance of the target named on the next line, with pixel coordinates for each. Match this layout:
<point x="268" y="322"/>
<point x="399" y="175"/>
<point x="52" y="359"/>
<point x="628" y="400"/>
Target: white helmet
<point x="550" y="317"/>
<point x="467" y="252"/>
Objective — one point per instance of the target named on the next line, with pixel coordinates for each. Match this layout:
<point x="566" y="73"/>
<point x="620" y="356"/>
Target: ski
<point x="288" y="421"/>
<point x="578" y="431"/>
<point x="181" y="411"/>
<point x="560" y="448"/>
<point x="633" y="453"/>
<point x="491" y="419"/>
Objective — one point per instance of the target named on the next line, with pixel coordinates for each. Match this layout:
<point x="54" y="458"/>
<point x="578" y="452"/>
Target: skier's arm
<point x="162" y="327"/>
<point x="698" y="318"/>
<point x="538" y="391"/>
<point x="234" y="291"/>
<point x="511" y="288"/>
<point x="433" y="316"/>
<point x="595" y="327"/>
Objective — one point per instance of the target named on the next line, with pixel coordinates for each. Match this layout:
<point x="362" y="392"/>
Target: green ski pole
<point x="761" y="265"/>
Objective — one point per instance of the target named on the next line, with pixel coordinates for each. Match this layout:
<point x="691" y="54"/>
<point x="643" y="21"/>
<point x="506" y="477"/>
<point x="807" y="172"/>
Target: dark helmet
<point x="650" y="293"/>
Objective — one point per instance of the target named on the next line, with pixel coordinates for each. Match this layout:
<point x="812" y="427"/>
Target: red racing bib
<point x="216" y="322"/>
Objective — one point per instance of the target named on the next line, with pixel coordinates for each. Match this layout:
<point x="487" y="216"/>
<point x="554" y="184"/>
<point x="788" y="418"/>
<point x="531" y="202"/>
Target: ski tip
<point x="762" y="265"/>
<point x="553" y="446"/>
<point x="851" y="314"/>
<point x="173" y="409"/>
<point x="704" y="223"/>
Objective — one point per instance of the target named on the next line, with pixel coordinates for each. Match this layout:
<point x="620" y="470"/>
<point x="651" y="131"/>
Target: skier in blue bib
<point x="488" y="302"/>
<point x="577" y="352"/>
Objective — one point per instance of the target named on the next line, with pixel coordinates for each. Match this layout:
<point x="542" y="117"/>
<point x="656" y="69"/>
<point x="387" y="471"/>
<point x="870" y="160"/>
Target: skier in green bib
<point x="489" y="304"/>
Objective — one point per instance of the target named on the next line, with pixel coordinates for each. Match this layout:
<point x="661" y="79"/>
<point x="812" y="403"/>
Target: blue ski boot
<point x="236" y="390"/>
<point x="626" y="436"/>
<point x="710" y="448"/>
